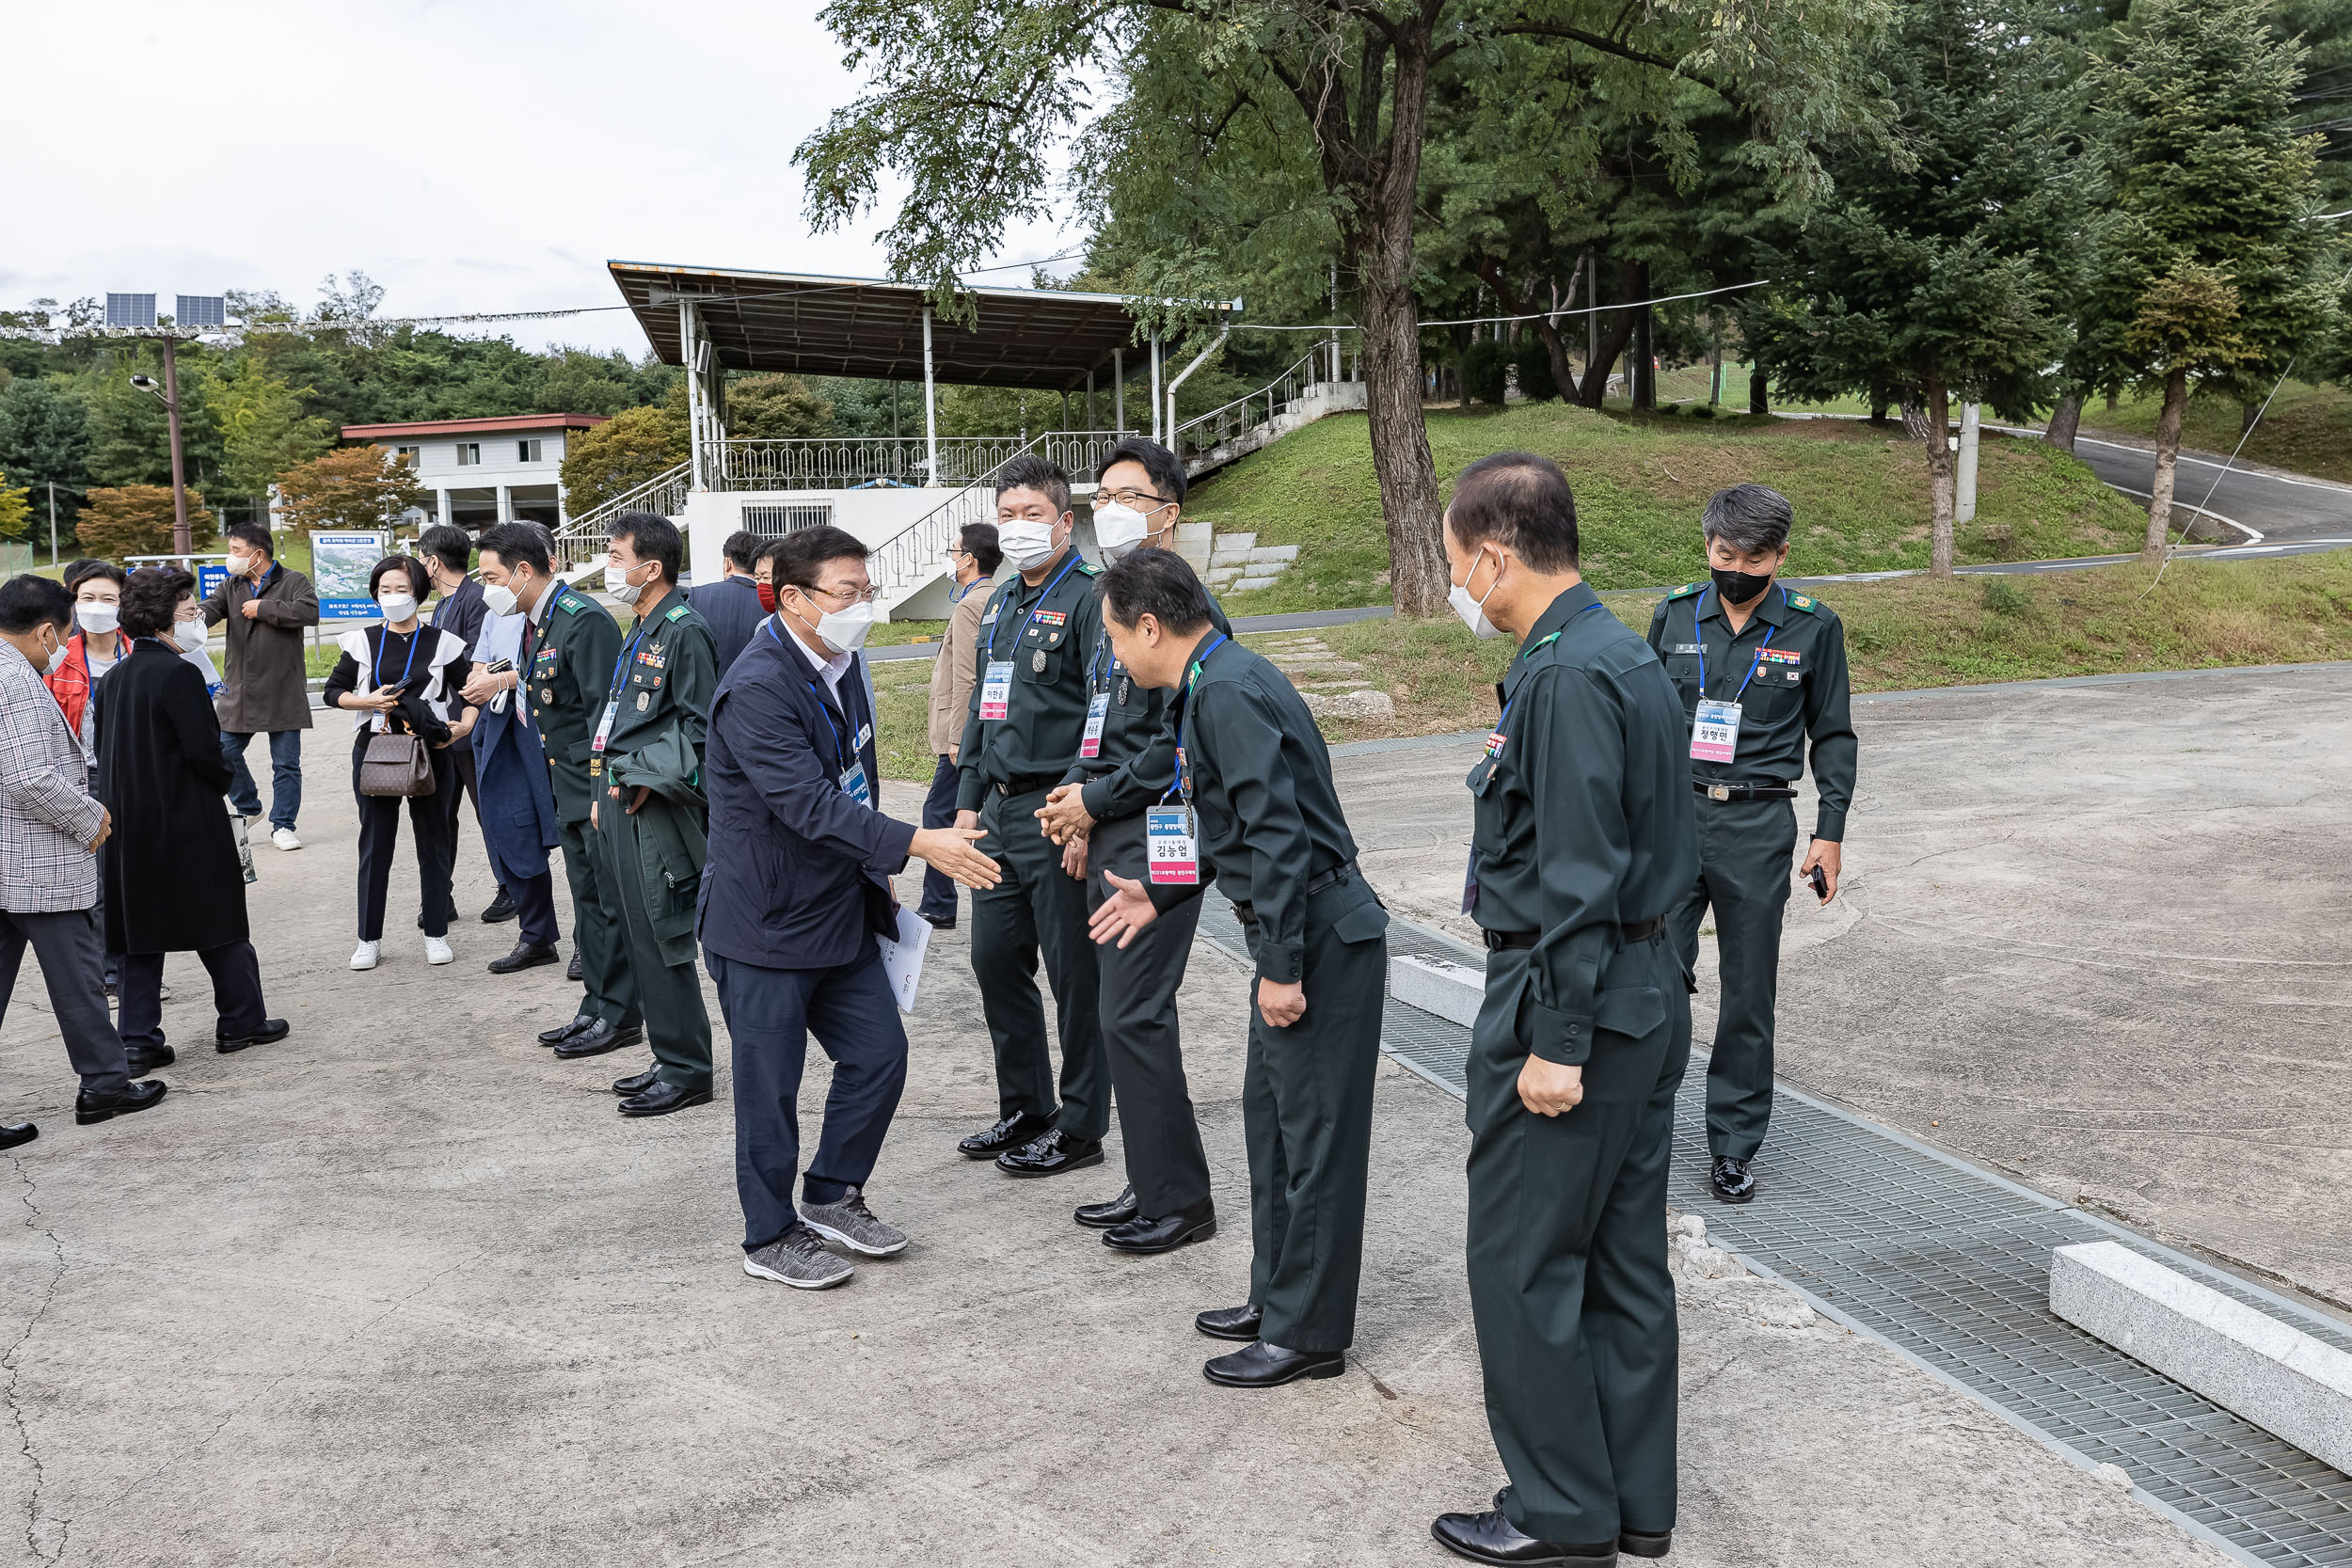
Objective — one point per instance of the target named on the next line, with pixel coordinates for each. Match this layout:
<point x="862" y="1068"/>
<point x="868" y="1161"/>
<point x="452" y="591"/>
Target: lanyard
<point x="1553" y="638"/>
<point x="1698" y="635"/>
<point x="843" y="754"/>
<point x="1095" y="663"/>
<point x="998" y="630"/>
<point x="414" y="638"/>
<point x="627" y="648"/>
<point x="1190" y="679"/>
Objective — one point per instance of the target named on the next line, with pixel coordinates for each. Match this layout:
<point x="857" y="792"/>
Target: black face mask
<point x="1740" y="587"/>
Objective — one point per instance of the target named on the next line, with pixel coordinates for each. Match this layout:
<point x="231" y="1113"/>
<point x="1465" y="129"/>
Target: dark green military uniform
<point x="1583" y="840"/>
<point x="573" y="644"/>
<point x="1787" y="670"/>
<point x="1258" y="779"/>
<point x="660" y="691"/>
<point x="1134" y="766"/>
<point x="1042" y="635"/>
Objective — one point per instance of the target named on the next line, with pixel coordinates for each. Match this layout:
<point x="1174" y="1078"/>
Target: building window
<point x="774" y="522"/>
<point x="526" y="451"/>
<point x="468" y="454"/>
<point x="410" y="455"/>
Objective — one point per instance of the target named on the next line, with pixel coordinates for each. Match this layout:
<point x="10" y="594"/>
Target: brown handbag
<point x="396" y="765"/>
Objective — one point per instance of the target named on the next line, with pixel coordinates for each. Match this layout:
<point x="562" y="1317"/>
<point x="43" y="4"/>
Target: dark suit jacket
<point x="461" y="612"/>
<point x="799" y="872"/>
<point x="731" y="605"/>
<point x="170" y="871"/>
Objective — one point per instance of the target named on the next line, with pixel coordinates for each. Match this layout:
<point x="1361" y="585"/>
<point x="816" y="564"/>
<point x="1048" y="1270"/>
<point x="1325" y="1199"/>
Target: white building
<point x="485" y="471"/>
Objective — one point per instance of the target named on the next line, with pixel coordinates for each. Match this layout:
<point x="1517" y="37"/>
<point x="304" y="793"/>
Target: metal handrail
<point x="919" y="549"/>
<point x="1234" y="419"/>
<point x="664" y="494"/>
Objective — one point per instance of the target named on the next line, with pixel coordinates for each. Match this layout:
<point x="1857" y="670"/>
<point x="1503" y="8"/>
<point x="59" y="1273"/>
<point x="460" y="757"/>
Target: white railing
<point x="919" y="552"/>
<point x="581" y="539"/>
<point x="1244" y="414"/>
<point x="848" y="463"/>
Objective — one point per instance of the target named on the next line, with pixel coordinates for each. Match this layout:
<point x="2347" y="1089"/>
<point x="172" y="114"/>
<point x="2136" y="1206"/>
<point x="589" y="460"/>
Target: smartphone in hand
<point x="1820" y="884"/>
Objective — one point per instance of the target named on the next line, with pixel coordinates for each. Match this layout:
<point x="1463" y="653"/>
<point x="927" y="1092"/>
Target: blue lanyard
<point x="998" y="630"/>
<point x="627" y="648"/>
<point x="1197" y="660"/>
<point x="414" y="638"/>
<point x="843" y="754"/>
<point x="1698" y="636"/>
<point x="1095" y="664"/>
<point x="1554" y="637"/>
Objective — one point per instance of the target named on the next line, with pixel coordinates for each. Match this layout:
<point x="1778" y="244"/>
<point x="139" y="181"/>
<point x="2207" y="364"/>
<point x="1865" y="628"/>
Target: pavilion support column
<point x="1155" y="384"/>
<point x="1091" y="425"/>
<point x="1119" y="391"/>
<point x="690" y="353"/>
<point x="930" y="405"/>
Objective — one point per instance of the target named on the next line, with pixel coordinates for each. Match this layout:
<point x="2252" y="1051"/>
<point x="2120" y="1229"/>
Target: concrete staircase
<point x="1238" y="564"/>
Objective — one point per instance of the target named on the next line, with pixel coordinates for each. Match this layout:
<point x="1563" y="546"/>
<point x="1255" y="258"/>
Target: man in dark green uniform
<point x="649" y="811"/>
<point x="1028" y="711"/>
<point x="1126" y="762"/>
<point x="567" y="653"/>
<point x="1257" y="809"/>
<point x="1760" y="670"/>
<point x="1582" y="840"/>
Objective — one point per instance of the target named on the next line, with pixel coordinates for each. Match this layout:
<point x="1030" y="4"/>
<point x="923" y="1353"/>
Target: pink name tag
<point x="1168" y="831"/>
<point x="1715" y="732"/>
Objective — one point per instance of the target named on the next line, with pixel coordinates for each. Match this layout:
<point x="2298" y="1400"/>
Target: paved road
<point x="2282" y="510"/>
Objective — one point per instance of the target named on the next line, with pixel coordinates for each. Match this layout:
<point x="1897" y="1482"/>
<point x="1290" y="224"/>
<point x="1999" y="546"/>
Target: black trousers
<point x="769" y="1014"/>
<point x="534" y="904"/>
<point x="1038" y="907"/>
<point x="939" y="811"/>
<point x="72" y="951"/>
<point x="237" y="1004"/>
<point x="1166" y="1163"/>
<point x="380" y="836"/>
<point x="1746" y="849"/>
<point x="608" y="989"/>
<point x="468" y="787"/>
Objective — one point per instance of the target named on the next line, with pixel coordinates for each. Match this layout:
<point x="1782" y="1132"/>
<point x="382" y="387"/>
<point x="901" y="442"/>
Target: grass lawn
<point x="2307" y="429"/>
<point x="1641" y="482"/>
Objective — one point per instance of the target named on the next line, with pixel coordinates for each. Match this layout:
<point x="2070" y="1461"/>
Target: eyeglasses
<point x="1142" y="500"/>
<point x="843" y="596"/>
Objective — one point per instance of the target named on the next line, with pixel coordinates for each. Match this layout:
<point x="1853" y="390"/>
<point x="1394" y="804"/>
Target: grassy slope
<point x="1860" y="497"/>
<point x="2307" y="429"/>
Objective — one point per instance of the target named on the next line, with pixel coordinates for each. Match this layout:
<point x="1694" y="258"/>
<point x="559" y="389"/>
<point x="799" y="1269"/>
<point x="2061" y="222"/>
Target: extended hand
<point x="1825" y="853"/>
<point x="1282" y="1004"/>
<point x="1127" y="910"/>
<point x="1548" y="1089"/>
<point x="1064" y="816"/>
<point x="483" y="685"/>
<point x="462" y="728"/>
<point x="106" y="829"/>
<point x="252" y="609"/>
<point x="1074" y="858"/>
<point x="949" y="849"/>
<point x="968" y="820"/>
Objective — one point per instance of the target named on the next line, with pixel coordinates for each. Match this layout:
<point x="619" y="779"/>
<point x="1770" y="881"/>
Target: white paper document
<point x="902" y="960"/>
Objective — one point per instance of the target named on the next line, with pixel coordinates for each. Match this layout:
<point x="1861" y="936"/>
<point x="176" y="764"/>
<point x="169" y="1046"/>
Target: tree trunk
<point x="2065" y="420"/>
<point x="1879" y="402"/>
<point x="1595" y="386"/>
<point x="2247" y="414"/>
<point x="1758" y="403"/>
<point x="1523" y="302"/>
<point x="2167" y="458"/>
<point x="1940" y="490"/>
<point x="1644" y="382"/>
<point x="1915" y="415"/>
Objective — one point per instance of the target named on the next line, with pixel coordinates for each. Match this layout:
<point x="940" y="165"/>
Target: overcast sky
<point x="483" y="156"/>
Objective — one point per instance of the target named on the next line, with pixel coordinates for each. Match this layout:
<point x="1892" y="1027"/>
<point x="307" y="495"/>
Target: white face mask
<point x="844" y="630"/>
<point x="55" y="659"/>
<point x="617" y="584"/>
<point x="189" y="634"/>
<point x="240" y="565"/>
<point x="1473" y="611"/>
<point x="1119" y="528"/>
<point x="99" y="618"/>
<point x="498" y="599"/>
<point x="397" y="607"/>
<point x="1026" y="543"/>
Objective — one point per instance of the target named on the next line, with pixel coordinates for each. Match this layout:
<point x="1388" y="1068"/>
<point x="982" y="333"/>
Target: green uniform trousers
<point x="1306" y="1101"/>
<point x="678" y="1025"/>
<point x="1166" y="1163"/>
<point x="1569" y="1290"/>
<point x="609" y="992"/>
<point x="1745" y="860"/>
<point x="1037" y="907"/>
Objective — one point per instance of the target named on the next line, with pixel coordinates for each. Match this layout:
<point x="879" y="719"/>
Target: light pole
<point x="183" y="544"/>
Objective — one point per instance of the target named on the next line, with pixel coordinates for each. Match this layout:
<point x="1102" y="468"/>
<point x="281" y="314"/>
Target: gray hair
<point x="1748" y="518"/>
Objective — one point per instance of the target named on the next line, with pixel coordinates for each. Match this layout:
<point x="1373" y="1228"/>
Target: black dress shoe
<point x="89" y="1107"/>
<point x="600" y="1038"/>
<point x="524" y="956"/>
<point x="500" y="911"/>
<point x="1731" y="1179"/>
<point x="1195" y="1222"/>
<point x="1489" y="1537"/>
<point x="637" y="1083"/>
<point x="1103" y="1216"/>
<point x="571" y="971"/>
<point x="662" y="1098"/>
<point x="1261" y="1366"/>
<point x="566" y="1031"/>
<point x="940" y="922"/>
<point x="272" y="1030"/>
<point x="1009" y="1132"/>
<point x="1051" y="1155"/>
<point x="140" y="1060"/>
<point x="1634" y="1543"/>
<point x="1230" y="1322"/>
<point x="16" y="1132"/>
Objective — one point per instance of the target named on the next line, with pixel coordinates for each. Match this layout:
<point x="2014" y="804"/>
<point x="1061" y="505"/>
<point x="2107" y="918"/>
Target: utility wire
<point x="2219" y="474"/>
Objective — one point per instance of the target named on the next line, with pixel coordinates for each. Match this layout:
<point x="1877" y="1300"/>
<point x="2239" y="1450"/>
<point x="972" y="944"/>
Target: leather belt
<point x="1248" y="913"/>
<point x="1028" y="783"/>
<point x="1500" y="941"/>
<point x="1744" y="791"/>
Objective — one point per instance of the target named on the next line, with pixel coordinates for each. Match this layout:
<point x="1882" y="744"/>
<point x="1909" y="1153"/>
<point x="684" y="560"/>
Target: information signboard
<point x="340" y="564"/>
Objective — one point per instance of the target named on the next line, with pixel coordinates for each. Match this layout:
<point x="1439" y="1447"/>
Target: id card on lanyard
<point x="1715" y="726"/>
<point x="997" y="689"/>
<point x="612" y="699"/>
<point x="1174" y="857"/>
<point x="997" y="684"/>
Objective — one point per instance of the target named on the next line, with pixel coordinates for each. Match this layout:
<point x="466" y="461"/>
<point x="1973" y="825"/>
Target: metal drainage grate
<point x="1949" y="1267"/>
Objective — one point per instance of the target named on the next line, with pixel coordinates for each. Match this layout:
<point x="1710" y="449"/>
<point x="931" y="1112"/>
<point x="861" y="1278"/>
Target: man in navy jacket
<point x="731" y="605"/>
<point x="790" y="909"/>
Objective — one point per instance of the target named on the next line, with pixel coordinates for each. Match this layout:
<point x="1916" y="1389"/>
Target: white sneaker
<point x="437" y="950"/>
<point x="365" y="954"/>
<point x="284" y="838"/>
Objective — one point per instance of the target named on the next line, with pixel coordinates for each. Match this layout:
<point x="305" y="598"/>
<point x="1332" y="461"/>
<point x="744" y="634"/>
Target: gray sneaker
<point x="853" y="1224"/>
<point x="798" y="1259"/>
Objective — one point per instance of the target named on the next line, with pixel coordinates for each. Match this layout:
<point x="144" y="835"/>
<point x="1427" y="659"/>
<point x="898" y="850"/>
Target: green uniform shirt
<point x="1787" y="670"/>
<point x="667" y="670"/>
<point x="573" y="648"/>
<point x="1044" y="634"/>
<point x="1266" y="814"/>
<point x="1583" y="815"/>
<point x="1135" y="762"/>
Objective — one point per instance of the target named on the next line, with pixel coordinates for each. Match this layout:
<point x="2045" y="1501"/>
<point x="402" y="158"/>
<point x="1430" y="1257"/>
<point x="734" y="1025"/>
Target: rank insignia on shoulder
<point x="1089" y="569"/>
<point x="1797" y="601"/>
<point x="1686" y="589"/>
<point x="568" y="603"/>
<point x="679" y="612"/>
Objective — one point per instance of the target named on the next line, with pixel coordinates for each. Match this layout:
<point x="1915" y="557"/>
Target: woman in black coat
<point x="403" y="678"/>
<point x="173" y="883"/>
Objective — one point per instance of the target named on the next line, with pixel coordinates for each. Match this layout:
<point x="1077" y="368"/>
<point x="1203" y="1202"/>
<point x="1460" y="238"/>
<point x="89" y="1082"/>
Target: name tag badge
<point x="997" y="689"/>
<point x="604" y="730"/>
<point x="854" y="784"/>
<point x="1090" y="743"/>
<point x="1174" y="861"/>
<point x="865" y="734"/>
<point x="1715" y="732"/>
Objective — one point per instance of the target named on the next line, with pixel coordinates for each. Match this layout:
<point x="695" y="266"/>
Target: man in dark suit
<point x="731" y="605"/>
<point x="787" y="918"/>
<point x="446" y="551"/>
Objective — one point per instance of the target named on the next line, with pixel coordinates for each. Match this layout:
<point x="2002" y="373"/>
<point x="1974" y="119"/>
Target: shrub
<point x="1534" y="363"/>
<point x="135" y="519"/>
<point x="1483" y="366"/>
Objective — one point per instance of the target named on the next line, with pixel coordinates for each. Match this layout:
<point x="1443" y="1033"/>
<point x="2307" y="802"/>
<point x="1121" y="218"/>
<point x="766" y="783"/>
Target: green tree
<point x="264" y="430"/>
<point x="628" y="449"/>
<point x="44" y="439"/>
<point x="354" y="487"/>
<point x="16" y="509"/>
<point x="130" y="431"/>
<point x="121" y="521"/>
<point x="776" y="409"/>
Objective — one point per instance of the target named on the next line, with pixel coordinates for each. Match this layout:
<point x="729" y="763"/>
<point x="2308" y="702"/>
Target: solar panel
<point x="130" y="310"/>
<point x="202" y="310"/>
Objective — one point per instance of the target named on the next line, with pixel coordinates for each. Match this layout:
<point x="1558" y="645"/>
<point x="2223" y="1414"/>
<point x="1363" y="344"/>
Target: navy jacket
<point x="800" y="873"/>
<point x="461" y="612"/>
<point x="513" y="792"/>
<point x="731" y="605"/>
